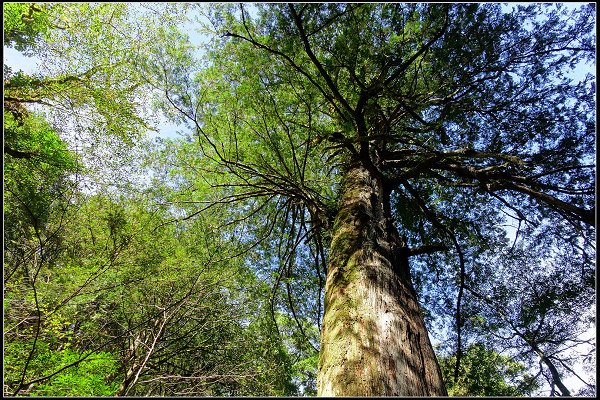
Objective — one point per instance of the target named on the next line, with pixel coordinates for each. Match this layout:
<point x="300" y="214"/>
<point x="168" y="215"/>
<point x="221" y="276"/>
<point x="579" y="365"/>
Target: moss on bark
<point x="373" y="339"/>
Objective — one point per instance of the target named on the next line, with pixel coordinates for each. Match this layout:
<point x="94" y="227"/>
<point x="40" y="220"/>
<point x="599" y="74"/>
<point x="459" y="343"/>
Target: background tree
<point x="89" y="79"/>
<point x="486" y="373"/>
<point x="162" y="305"/>
<point x="102" y="294"/>
<point x="41" y="178"/>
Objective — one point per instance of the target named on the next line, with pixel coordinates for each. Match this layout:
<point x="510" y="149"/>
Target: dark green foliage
<point x="471" y="116"/>
<point x="37" y="164"/>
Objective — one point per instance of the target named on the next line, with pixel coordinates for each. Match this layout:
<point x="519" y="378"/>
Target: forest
<point x="269" y="199"/>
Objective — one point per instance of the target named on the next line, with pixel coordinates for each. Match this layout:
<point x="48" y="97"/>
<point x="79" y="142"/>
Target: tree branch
<point x="315" y="61"/>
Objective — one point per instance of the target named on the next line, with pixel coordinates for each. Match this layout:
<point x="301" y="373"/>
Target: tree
<point x="546" y="323"/>
<point x="37" y="162"/>
<point x="485" y="373"/>
<point x="90" y="77"/>
<point x="364" y="156"/>
<point x="131" y="304"/>
<point x="41" y="170"/>
<point x="170" y="303"/>
<point x="38" y="188"/>
<point x="104" y="295"/>
<point x="381" y="132"/>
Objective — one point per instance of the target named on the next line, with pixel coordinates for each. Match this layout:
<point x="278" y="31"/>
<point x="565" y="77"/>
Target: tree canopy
<point x="225" y="261"/>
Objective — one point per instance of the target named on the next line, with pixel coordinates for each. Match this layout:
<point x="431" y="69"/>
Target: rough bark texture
<point x="373" y="341"/>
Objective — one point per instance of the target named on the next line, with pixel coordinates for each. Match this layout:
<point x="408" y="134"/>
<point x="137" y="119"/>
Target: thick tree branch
<point x="495" y="177"/>
<point x="583" y="215"/>
<point x="20" y="154"/>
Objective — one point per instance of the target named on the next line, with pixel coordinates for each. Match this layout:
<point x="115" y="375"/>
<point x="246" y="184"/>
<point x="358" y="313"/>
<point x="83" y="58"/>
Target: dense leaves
<point x="470" y="115"/>
<point x="106" y="296"/>
<point x="23" y="25"/>
<point x="486" y="373"/>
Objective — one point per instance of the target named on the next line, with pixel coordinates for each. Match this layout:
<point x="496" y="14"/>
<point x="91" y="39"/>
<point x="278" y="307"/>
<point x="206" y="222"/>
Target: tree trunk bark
<point x="373" y="339"/>
<point x="556" y="379"/>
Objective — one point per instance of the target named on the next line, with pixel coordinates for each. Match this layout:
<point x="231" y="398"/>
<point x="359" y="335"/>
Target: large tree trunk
<point x="373" y="340"/>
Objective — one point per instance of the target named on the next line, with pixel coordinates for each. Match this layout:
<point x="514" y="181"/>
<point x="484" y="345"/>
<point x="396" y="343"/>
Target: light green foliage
<point x="115" y="273"/>
<point x="286" y="122"/>
<point x="92" y="72"/>
<point x="484" y="372"/>
<point x="121" y="273"/>
<point x="33" y="135"/>
<point x="24" y="24"/>
<point x="91" y="377"/>
<point x="88" y="378"/>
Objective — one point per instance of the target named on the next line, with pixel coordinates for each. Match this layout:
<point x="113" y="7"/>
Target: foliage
<point x="543" y="314"/>
<point x="486" y="373"/>
<point x="36" y="154"/>
<point x="23" y="25"/>
<point x="91" y="377"/>
<point x="91" y="76"/>
<point x="179" y="316"/>
<point x="447" y="105"/>
<point x="196" y="266"/>
<point x="115" y="275"/>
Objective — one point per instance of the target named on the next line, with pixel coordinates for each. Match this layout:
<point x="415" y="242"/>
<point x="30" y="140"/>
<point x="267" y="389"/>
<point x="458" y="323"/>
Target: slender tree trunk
<point x="556" y="379"/>
<point x="373" y="340"/>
